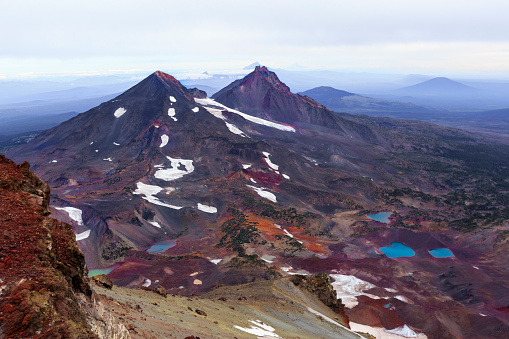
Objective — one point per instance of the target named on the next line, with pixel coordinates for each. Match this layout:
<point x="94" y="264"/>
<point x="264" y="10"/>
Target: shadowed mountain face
<point x="171" y="187"/>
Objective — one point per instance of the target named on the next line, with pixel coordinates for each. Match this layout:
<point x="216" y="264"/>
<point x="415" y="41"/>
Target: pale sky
<point x="106" y="36"/>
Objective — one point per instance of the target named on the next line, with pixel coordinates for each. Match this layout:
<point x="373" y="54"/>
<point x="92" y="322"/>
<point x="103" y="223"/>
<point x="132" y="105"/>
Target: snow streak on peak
<point x="216" y="108"/>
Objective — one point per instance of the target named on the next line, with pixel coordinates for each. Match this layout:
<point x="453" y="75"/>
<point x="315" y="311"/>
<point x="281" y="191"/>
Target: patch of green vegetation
<point x="294" y="245"/>
<point x="238" y="231"/>
<point x="115" y="251"/>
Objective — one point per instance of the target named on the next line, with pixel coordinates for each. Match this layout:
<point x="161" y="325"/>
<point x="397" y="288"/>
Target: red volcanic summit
<point x="262" y="94"/>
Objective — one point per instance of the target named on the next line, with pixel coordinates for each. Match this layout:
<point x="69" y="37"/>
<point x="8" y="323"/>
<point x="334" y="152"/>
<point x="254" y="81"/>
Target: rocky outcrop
<point x="44" y="287"/>
<point x="320" y="285"/>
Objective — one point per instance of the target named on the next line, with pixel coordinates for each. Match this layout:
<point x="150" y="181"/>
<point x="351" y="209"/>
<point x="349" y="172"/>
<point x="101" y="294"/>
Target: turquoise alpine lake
<point x="397" y="250"/>
<point x="162" y="246"/>
<point x="441" y="253"/>
<point x="381" y="217"/>
<point x="98" y="271"/>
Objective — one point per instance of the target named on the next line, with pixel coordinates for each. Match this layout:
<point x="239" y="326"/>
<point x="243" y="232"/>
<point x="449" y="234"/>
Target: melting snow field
<point x="171" y="113"/>
<point x="382" y="333"/>
<point x="215" y="108"/>
<point x="164" y="140"/>
<point x="83" y="235"/>
<point x="149" y="191"/>
<point x="179" y="168"/>
<point x="74" y="213"/>
<point x="349" y="287"/>
<point x="264" y="194"/>
<point x="259" y="329"/>
<point x="119" y="112"/>
<point x="207" y="209"/>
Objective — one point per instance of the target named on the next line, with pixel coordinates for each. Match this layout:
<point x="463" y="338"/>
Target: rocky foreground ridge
<point x="44" y="289"/>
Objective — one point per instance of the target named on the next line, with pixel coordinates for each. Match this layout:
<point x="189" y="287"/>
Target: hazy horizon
<point x="437" y="38"/>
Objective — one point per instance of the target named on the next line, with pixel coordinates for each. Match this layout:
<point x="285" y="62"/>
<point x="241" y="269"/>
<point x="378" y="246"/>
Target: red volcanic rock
<point x="42" y="270"/>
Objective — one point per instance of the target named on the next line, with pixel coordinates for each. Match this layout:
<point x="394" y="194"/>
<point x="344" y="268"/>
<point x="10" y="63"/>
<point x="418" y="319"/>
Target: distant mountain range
<point x="438" y="87"/>
<point x="342" y="101"/>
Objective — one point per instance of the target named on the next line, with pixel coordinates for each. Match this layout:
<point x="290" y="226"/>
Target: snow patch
<point x="475" y="267"/>
<point x="164" y="140"/>
<point x="259" y="329"/>
<point x="171" y="113"/>
<point x="172" y="99"/>
<point x="116" y="144"/>
<point x="235" y="130"/>
<point x="96" y="150"/>
<point x="196" y="109"/>
<point x="176" y="171"/>
<point x="215" y="108"/>
<point x="107" y="159"/>
<point x="246" y="166"/>
<point x="74" y="213"/>
<point x="215" y="261"/>
<point x="482" y="315"/>
<point x="197" y="282"/>
<point x="391" y="290"/>
<point x="288" y="233"/>
<point x="404" y="331"/>
<point x="380" y="332"/>
<point x="149" y="191"/>
<point x="147" y="283"/>
<point x="287" y="177"/>
<point x="119" y="112"/>
<point x="83" y="235"/>
<point x="91" y="143"/>
<point x="264" y="194"/>
<point x="349" y="287"/>
<point x="403" y="299"/>
<point x="270" y="163"/>
<point x="207" y="209"/>
<point x="252" y="180"/>
<point x="53" y="161"/>
<point x="155" y="223"/>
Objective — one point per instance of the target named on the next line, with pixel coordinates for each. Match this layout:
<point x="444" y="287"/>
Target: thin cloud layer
<point x="135" y="34"/>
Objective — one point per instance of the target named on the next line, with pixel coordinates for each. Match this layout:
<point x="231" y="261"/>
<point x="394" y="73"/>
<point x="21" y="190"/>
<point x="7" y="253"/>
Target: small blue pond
<point x="99" y="271"/>
<point x="381" y="217"/>
<point x="397" y="250"/>
<point x="162" y="246"/>
<point x="441" y="253"/>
